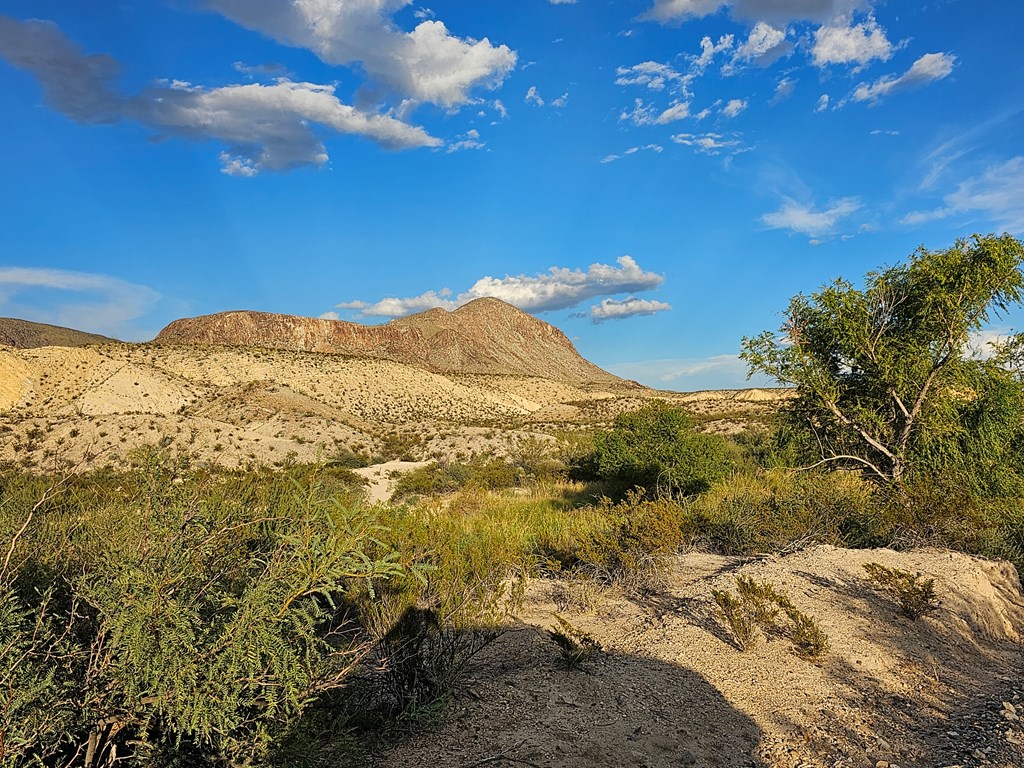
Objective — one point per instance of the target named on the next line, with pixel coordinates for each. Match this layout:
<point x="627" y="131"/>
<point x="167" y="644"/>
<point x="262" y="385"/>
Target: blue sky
<point x="655" y="177"/>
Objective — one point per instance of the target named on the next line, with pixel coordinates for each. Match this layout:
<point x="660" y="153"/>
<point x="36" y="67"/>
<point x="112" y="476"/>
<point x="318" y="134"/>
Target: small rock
<point x="952" y="734"/>
<point x="1009" y="707"/>
<point x="882" y="764"/>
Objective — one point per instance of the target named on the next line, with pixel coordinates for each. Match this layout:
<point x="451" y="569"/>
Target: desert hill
<point x="23" y="334"/>
<point x="486" y="336"/>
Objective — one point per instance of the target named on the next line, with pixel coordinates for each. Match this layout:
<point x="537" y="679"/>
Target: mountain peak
<point x="486" y="335"/>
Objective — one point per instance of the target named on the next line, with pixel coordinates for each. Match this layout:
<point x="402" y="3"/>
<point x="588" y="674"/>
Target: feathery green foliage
<point x="884" y="382"/>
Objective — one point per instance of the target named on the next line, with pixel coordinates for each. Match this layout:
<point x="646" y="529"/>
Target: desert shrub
<point x="168" y="619"/>
<point x="757" y="606"/>
<point x="736" y="617"/>
<point x="536" y="459"/>
<point x="914" y="594"/>
<point x="575" y="646"/>
<point x="656" y="448"/>
<point x="637" y="533"/>
<point x="447" y="477"/>
<point x="809" y="640"/>
<point x="777" y="510"/>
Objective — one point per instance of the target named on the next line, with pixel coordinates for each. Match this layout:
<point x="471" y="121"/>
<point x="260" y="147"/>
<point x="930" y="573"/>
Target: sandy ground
<point x="669" y="687"/>
<point x="380" y="478"/>
<point x="84" y="407"/>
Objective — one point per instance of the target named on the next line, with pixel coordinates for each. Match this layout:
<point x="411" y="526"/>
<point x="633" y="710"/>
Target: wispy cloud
<point x="710" y="143"/>
<point x="656" y="148"/>
<point x="927" y="69"/>
<point x="81" y="300"/>
<point x="803" y="219"/>
<point x="996" y="195"/>
<point x="558" y="288"/>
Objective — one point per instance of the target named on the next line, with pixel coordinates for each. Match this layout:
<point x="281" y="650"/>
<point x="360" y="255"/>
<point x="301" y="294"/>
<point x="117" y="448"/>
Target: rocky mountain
<point x="22" y="334"/>
<point x="486" y="336"/>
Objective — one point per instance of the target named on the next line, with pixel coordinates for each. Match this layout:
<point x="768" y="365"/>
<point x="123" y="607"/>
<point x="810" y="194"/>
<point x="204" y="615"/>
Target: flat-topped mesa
<point x="485" y="336"/>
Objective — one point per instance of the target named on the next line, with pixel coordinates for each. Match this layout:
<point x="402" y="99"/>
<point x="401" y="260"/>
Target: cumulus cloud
<point x="81" y="300"/>
<point x="427" y="63"/>
<point x="533" y="97"/>
<point x="850" y="44"/>
<point x="996" y="195"/>
<point x="708" y="50"/>
<point x="264" y="127"/>
<point x="561" y="101"/>
<point x="734" y="107"/>
<point x="797" y="217"/>
<point x="709" y="143"/>
<point x="558" y="288"/>
<point x="615" y="309"/>
<point x="822" y="104"/>
<point x="764" y="46"/>
<point x="927" y="69"/>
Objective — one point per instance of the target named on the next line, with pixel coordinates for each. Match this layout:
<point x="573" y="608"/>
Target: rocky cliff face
<point x="485" y="336"/>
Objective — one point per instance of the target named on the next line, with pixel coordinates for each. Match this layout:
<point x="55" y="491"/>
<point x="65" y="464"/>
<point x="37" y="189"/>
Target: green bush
<point x="656" y="448"/>
<point x="170" y="619"/>
<point x="448" y="477"/>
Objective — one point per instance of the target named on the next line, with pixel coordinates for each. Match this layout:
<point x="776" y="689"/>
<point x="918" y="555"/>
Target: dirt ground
<point x="670" y="688"/>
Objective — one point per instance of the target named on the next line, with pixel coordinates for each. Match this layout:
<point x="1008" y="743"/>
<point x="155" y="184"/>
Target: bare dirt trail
<point x="381" y="478"/>
<point x="670" y="688"/>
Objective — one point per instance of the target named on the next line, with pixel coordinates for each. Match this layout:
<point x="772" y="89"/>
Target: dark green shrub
<point x="448" y="477"/>
<point x="655" y="448"/>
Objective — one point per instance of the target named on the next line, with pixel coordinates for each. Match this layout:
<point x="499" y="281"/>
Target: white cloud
<point x="648" y="114"/>
<point x="803" y="219"/>
<point x="265" y="127"/>
<point x="850" y="44"/>
<point x="561" y="101"/>
<point x="708" y="143"/>
<point x="534" y="97"/>
<point x="615" y="309"/>
<point x="996" y="195"/>
<point x="651" y="74"/>
<point x="427" y="63"/>
<point x="499" y="107"/>
<point x="774" y="11"/>
<point x="714" y="372"/>
<point x="558" y="288"/>
<point x="734" y="107"/>
<point x="708" y="51"/>
<point x="764" y="46"/>
<point x="469" y="140"/>
<point x="927" y="69"/>
<point x="656" y="148"/>
<point x="675" y="10"/>
<point x="562" y="2"/>
<point x="80" y="300"/>
<point x="783" y="90"/>
<point x="822" y="104"/>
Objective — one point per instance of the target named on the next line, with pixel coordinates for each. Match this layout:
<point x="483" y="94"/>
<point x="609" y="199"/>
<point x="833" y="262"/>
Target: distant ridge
<point x="24" y="334"/>
<point x="485" y="336"/>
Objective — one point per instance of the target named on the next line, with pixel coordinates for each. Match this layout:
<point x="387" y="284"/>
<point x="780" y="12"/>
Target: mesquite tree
<point x="883" y="374"/>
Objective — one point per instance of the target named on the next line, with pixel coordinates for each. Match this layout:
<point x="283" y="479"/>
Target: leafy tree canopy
<point x="884" y="376"/>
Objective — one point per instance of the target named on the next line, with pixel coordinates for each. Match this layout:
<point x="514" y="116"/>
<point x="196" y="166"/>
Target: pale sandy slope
<point x="235" y="406"/>
<point x="670" y="689"/>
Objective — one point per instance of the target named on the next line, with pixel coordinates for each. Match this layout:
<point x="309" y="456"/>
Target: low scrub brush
<point x="574" y="645"/>
<point x="914" y="594"/>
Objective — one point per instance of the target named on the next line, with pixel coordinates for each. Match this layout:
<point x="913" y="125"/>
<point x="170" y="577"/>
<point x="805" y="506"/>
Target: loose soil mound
<point x="671" y="689"/>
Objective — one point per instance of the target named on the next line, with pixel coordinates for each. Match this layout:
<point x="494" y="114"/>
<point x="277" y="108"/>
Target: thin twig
<point x="501" y="756"/>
